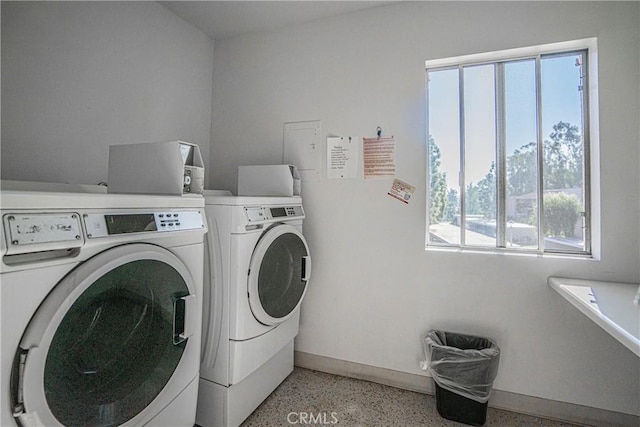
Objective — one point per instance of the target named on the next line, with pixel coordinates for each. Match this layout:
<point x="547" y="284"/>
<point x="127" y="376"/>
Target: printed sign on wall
<point x="342" y="156"/>
<point x="379" y="157"/>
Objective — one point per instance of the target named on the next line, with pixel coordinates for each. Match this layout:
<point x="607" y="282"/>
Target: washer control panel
<point x="34" y="232"/>
<point x="270" y="213"/>
<point x="109" y="224"/>
<point x="43" y="235"/>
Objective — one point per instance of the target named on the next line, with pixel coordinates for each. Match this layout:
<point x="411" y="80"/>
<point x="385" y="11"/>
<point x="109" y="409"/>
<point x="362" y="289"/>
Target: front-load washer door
<point x="106" y="341"/>
<point x="279" y="273"/>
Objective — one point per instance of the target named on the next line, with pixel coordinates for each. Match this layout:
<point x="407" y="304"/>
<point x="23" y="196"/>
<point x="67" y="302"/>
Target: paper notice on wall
<point x="379" y="157"/>
<point x="342" y="157"/>
<point x="401" y="190"/>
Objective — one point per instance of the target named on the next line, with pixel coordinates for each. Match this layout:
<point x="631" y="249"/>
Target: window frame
<point x="588" y="49"/>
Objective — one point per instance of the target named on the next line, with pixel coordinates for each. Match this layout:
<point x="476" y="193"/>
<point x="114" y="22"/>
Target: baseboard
<point x="529" y="405"/>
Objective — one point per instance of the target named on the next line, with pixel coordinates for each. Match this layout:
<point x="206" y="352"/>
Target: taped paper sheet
<point x="379" y="156"/>
<point x="342" y="157"/>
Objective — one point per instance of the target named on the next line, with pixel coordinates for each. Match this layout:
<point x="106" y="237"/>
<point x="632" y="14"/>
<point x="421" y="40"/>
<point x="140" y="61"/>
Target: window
<point x="508" y="150"/>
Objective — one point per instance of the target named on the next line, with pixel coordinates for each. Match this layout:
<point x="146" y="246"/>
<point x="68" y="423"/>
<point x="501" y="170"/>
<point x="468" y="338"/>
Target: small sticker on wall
<point x="401" y="190"/>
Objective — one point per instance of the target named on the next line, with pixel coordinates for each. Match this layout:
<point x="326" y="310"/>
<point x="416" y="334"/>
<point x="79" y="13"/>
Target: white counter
<point x="609" y="304"/>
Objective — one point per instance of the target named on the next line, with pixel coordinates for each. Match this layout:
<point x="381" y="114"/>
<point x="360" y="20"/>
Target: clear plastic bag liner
<point x="463" y="364"/>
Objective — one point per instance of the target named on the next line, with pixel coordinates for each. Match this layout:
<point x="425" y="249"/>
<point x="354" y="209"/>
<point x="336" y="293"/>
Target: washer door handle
<point x="306" y="268"/>
<point x="184" y="318"/>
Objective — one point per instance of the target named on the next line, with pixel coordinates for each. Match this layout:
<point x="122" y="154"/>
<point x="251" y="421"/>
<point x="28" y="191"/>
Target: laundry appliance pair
<point x="256" y="277"/>
<point x="100" y="308"/>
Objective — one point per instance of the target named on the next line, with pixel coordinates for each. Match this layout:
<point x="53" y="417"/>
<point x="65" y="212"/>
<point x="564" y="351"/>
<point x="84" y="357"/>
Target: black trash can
<point x="463" y="367"/>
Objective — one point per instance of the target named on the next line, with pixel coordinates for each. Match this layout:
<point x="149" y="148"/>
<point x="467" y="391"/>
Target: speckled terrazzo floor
<point x="315" y="398"/>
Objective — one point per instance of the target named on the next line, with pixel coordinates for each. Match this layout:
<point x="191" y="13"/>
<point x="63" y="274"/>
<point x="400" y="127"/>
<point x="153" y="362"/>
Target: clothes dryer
<point x="100" y="303"/>
<point x="257" y="271"/>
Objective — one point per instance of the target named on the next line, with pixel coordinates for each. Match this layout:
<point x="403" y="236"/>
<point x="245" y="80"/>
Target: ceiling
<point x="226" y="19"/>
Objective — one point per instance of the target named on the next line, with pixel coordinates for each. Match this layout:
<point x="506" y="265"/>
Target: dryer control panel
<point x="269" y="213"/>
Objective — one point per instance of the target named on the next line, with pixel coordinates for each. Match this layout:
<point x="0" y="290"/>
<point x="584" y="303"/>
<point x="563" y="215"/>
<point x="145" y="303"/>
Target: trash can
<point x="463" y="368"/>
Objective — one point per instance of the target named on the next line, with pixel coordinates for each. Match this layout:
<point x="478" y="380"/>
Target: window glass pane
<point x="444" y="157"/>
<point x="563" y="169"/>
<point x="480" y="155"/>
<point x="521" y="188"/>
<point x="508" y="157"/>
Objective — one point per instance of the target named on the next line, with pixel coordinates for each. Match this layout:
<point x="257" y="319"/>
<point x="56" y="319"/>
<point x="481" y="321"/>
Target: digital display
<point x="278" y="212"/>
<point x="133" y="223"/>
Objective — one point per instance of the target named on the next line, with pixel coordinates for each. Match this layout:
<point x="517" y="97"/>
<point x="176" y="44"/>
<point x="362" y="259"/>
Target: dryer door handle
<point x="184" y="318"/>
<point x="306" y="268"/>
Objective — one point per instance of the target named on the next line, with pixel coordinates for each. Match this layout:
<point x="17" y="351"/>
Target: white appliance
<point x="100" y="303"/>
<point x="256" y="276"/>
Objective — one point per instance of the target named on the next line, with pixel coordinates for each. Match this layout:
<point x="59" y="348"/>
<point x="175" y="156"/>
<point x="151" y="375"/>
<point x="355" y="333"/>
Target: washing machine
<point x="257" y="270"/>
<point x="100" y="309"/>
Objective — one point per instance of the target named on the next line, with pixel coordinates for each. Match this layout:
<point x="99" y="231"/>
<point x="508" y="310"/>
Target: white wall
<point x="80" y="76"/>
<point x="375" y="291"/>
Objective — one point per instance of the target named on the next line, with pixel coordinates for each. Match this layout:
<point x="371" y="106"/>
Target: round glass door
<point x="280" y="273"/>
<point x="117" y="345"/>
